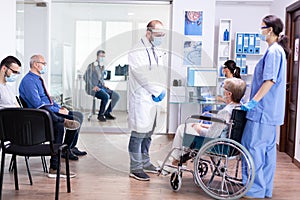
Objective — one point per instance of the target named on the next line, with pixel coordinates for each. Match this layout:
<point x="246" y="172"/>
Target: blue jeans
<point x="105" y="94"/>
<point x="138" y="148"/>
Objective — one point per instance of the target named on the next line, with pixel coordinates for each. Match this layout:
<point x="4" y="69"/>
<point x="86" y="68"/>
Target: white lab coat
<point x="144" y="80"/>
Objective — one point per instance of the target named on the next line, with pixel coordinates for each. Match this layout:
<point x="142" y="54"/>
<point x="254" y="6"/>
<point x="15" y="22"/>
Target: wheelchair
<point x="217" y="161"/>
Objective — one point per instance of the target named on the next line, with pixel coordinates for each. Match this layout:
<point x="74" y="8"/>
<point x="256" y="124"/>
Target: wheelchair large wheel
<point x="176" y="180"/>
<point x="225" y="159"/>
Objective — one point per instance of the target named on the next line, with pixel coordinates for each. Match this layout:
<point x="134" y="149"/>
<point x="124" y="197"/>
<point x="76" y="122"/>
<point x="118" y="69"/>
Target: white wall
<point x="178" y="71"/>
<point x="8" y="28"/>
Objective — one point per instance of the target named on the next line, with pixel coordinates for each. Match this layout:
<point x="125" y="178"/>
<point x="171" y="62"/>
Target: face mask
<point x="44" y="69"/>
<point x="11" y="78"/>
<point x="262" y="37"/>
<point x="157" y="41"/>
<point x="101" y="60"/>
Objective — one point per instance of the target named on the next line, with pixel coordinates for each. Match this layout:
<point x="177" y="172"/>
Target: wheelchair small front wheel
<point x="176" y="181"/>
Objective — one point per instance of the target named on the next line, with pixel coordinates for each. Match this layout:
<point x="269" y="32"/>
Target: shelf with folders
<point x="247" y="50"/>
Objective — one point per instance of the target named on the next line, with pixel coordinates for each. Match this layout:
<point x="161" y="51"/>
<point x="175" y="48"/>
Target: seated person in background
<point x="33" y="91"/>
<point x="9" y="69"/>
<point x="234" y="90"/>
<point x="95" y="86"/>
<point x="229" y="70"/>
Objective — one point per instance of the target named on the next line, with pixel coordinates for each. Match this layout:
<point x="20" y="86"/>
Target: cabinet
<point x="224" y="45"/>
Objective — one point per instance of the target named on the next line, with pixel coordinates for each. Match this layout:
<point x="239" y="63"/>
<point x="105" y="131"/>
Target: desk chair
<point x="29" y="132"/>
<point x="93" y="111"/>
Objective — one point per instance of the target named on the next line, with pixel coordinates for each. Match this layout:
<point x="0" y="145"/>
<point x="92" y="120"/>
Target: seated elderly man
<point x="33" y="91"/>
<point x="234" y="90"/>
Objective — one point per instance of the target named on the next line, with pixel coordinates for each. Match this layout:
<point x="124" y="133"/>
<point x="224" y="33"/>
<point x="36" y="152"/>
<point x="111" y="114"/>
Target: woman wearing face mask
<point x="230" y="70"/>
<point x="266" y="108"/>
<point x="234" y="90"/>
<point x="9" y="71"/>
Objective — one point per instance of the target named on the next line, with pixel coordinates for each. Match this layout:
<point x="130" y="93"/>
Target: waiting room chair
<point x="29" y="132"/>
<point x="23" y="104"/>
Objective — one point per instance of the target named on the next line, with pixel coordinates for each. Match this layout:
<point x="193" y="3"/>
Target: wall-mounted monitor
<point x="201" y="77"/>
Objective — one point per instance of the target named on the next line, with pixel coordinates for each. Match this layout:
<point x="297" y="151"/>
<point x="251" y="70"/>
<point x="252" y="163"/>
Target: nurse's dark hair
<point x="235" y="70"/>
<point x="277" y="25"/>
<point x="152" y="23"/>
<point x="9" y="60"/>
<point x="237" y="87"/>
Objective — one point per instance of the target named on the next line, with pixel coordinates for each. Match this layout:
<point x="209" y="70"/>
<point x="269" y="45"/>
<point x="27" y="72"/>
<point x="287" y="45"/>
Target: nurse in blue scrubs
<point x="266" y="108"/>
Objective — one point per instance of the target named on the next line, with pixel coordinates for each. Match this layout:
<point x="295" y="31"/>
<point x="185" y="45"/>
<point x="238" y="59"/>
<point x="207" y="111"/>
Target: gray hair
<point x="237" y="87"/>
<point x="33" y="59"/>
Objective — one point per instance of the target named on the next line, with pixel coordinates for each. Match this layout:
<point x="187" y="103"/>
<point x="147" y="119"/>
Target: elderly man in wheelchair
<point x="214" y="149"/>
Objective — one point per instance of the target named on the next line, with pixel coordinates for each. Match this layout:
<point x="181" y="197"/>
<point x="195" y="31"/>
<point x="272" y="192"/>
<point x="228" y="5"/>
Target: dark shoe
<point x="151" y="169"/>
<point x="71" y="156"/>
<point x="77" y="152"/>
<point x="139" y="175"/>
<point x="109" y="116"/>
<point x="101" y="118"/>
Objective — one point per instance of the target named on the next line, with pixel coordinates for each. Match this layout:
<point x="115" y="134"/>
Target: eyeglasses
<point x="13" y="71"/>
<point x="44" y="63"/>
<point x="264" y="27"/>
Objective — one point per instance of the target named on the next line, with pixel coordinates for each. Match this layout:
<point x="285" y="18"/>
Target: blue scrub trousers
<point x="260" y="140"/>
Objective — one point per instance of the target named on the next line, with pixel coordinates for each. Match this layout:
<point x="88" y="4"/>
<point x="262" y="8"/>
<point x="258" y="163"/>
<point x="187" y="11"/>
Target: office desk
<point x="181" y="100"/>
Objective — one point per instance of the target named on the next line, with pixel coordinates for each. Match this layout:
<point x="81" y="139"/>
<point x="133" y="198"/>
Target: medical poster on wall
<point x="192" y="53"/>
<point x="193" y="23"/>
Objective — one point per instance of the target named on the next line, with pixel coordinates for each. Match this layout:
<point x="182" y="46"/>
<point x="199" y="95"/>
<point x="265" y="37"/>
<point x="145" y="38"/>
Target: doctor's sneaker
<point x="151" y="169"/>
<point x="139" y="175"/>
<point x="63" y="174"/>
<point x="71" y="124"/>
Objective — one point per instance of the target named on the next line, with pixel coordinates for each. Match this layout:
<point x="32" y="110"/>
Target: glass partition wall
<point x="78" y="31"/>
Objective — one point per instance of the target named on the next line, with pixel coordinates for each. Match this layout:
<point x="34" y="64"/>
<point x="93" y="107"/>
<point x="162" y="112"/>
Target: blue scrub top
<point x="271" y="108"/>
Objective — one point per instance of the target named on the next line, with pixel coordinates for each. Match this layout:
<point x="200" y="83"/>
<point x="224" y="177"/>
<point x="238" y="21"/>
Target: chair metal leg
<point x="58" y="175"/>
<point x="44" y="164"/>
<point x="2" y="173"/>
<point x="28" y="170"/>
<point x="93" y="111"/>
<point x="16" y="172"/>
<point x="68" y="171"/>
<point x="11" y="164"/>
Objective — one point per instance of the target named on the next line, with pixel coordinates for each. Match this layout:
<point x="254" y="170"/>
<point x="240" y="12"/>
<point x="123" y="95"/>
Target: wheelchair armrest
<point x="207" y="118"/>
<point x="213" y="111"/>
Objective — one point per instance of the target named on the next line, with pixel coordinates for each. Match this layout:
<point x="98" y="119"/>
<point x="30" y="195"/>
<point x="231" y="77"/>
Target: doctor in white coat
<point x="146" y="91"/>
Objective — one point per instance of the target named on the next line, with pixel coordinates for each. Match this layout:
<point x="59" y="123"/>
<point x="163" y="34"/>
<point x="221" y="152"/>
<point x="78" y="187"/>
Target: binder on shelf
<point x="244" y="70"/>
<point x="239" y="42"/>
<point x="251" y="43"/>
<point x="246" y="43"/>
<point x="243" y="60"/>
<point x="238" y="60"/>
<point x="257" y="44"/>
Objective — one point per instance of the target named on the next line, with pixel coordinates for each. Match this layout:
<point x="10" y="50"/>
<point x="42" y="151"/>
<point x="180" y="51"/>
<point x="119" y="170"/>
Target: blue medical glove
<point x="160" y="97"/>
<point x="249" y="105"/>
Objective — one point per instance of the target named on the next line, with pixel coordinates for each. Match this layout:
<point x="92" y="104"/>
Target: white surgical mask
<point x="11" y="78"/>
<point x="261" y="36"/>
<point x="101" y="60"/>
<point x="44" y="69"/>
<point x="157" y="41"/>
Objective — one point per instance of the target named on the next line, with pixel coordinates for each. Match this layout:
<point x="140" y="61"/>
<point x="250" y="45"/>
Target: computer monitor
<point x="201" y="77"/>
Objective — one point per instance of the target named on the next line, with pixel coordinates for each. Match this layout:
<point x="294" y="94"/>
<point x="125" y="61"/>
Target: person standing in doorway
<point x="146" y="91"/>
<point x="266" y="108"/>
